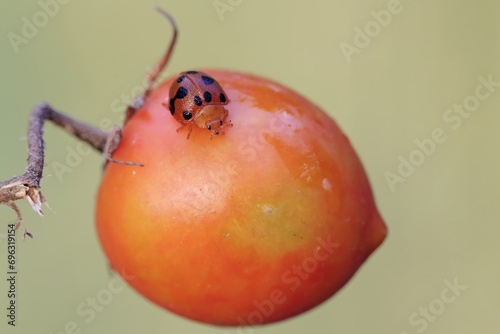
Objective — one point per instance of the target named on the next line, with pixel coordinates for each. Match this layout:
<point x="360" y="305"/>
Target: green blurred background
<point x="395" y="89"/>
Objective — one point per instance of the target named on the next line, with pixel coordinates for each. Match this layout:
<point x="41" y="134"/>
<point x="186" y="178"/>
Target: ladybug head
<point x="212" y="118"/>
<point x="215" y="126"/>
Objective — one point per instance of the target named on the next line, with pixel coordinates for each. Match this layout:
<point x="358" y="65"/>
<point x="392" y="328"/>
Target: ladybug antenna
<point x="155" y="72"/>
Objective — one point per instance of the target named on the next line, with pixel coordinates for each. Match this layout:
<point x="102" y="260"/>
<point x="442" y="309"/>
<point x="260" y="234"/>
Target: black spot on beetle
<point x="222" y="98"/>
<point x="192" y="72"/>
<point x="187" y="114"/>
<point x="197" y="100"/>
<point x="181" y="93"/>
<point x="179" y="79"/>
<point x="207" y="96"/>
<point x="172" y="106"/>
<point x="207" y="80"/>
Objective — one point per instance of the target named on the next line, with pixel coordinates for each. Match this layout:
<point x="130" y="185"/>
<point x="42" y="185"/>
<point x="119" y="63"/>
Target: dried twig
<point x="27" y="186"/>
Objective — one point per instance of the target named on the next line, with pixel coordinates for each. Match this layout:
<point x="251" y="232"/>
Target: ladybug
<point x="195" y="97"/>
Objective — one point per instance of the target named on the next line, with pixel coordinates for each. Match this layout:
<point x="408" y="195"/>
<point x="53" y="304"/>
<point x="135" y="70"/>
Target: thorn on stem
<point x="124" y="162"/>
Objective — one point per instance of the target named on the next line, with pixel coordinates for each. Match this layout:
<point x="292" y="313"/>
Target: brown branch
<point x="155" y="71"/>
<point x="27" y="186"/>
<point x="153" y="75"/>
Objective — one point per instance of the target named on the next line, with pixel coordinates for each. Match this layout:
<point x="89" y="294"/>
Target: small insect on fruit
<point x="196" y="97"/>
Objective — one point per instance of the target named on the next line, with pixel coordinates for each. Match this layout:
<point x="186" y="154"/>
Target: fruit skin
<point x="254" y="226"/>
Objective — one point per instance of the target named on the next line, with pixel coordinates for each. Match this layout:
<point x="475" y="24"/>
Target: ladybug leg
<point x="112" y="142"/>
<point x="183" y="126"/>
<point x="227" y="124"/>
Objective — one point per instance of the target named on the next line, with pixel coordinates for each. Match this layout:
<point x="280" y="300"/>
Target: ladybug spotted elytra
<point x="195" y="97"/>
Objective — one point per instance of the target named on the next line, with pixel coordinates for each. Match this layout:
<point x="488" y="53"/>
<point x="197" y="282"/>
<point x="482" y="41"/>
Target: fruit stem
<point x="27" y="186"/>
<point x="155" y="71"/>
